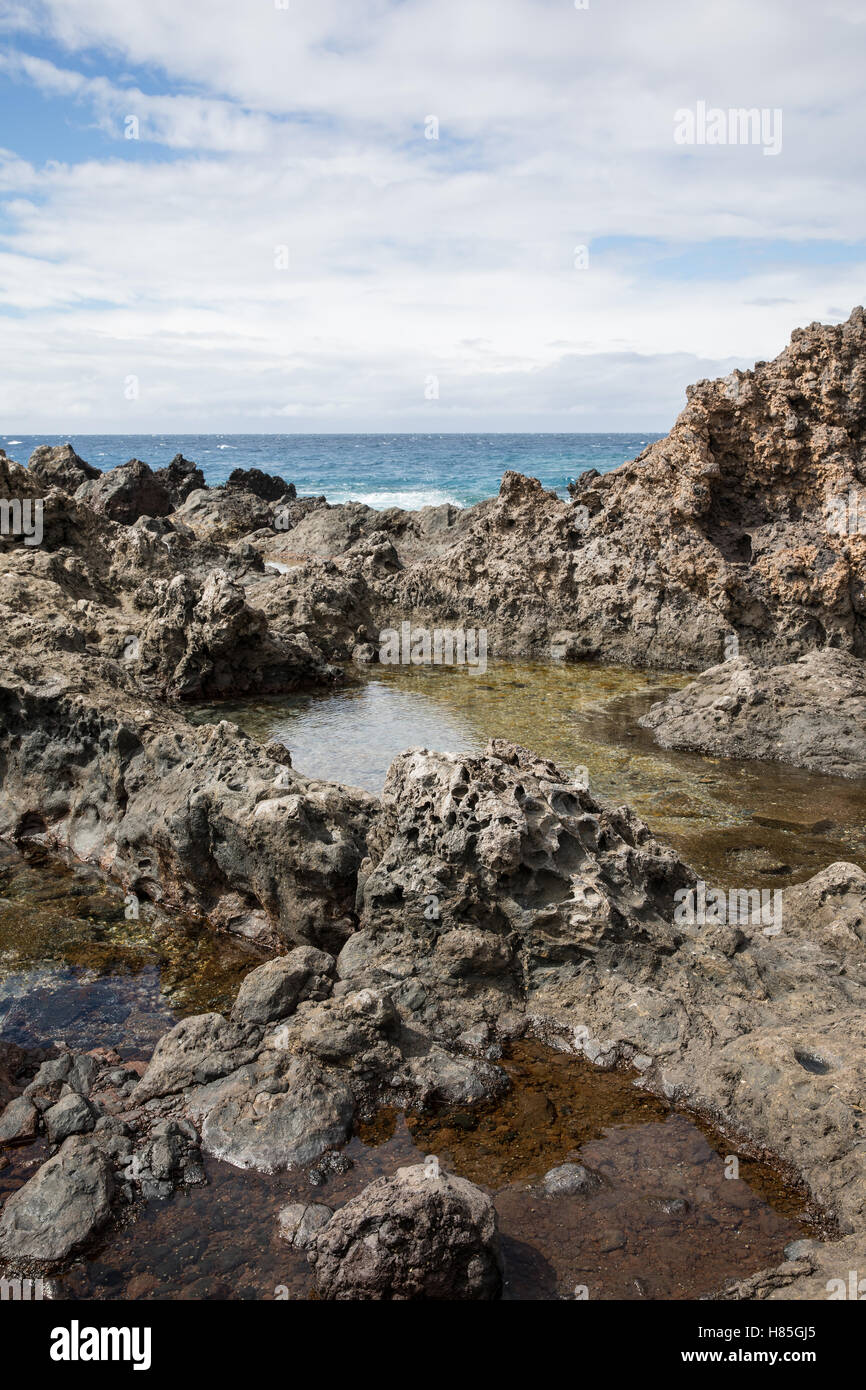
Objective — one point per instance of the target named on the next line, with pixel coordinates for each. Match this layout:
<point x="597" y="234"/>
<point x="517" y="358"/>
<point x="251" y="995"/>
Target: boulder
<point x="809" y="713"/>
<point x="273" y="990"/>
<point x="72" y="1114"/>
<point x="202" y="642"/>
<point x="59" y="466"/>
<point x="421" y="1234"/>
<point x="179" y="478"/>
<point x="127" y="492"/>
<point x="195" y="1051"/>
<point x="268" y="486"/>
<point x="19" y="1121"/>
<point x="62" y="1206"/>
<point x="283" y="1113"/>
<point x="300" y="1222"/>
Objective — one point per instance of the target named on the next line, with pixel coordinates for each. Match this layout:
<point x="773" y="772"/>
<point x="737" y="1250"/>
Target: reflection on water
<point x="739" y="823"/>
<point x="665" y="1222"/>
<point x="74" y="969"/>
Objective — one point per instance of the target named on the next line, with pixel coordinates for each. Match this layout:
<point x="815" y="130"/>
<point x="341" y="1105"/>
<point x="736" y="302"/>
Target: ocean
<point x="383" y="470"/>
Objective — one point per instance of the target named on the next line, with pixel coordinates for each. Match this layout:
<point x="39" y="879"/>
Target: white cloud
<point x="263" y="128"/>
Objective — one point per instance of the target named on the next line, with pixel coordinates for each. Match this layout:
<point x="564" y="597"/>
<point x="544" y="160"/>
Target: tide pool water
<point x="738" y="824"/>
<point x="383" y="470"/>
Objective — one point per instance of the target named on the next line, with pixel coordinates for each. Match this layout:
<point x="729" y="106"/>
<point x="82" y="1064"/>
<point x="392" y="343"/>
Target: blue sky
<point x="282" y="247"/>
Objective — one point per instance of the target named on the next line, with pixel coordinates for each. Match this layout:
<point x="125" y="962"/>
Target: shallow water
<point x="665" y="1223"/>
<point x="740" y="824"/>
<point x="74" y="969"/>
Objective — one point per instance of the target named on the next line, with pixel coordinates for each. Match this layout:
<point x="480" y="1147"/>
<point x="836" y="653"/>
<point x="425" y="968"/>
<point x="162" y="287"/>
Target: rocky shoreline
<point x="480" y="899"/>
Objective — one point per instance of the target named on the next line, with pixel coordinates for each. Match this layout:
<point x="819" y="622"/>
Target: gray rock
<point x="82" y="1074"/>
<point x="273" y="990"/>
<point x="171" y="1158"/>
<point x="441" y="1078"/>
<point x="127" y="492"/>
<point x="206" y="640"/>
<point x="19" y="1121"/>
<point x="179" y="479"/>
<point x="421" y="1234"/>
<point x="62" y="1206"/>
<point x="60" y="466"/>
<point x="269" y="486"/>
<point x="71" y="1115"/>
<point x="282" y="1114"/>
<point x="810" y="713"/>
<point x="300" y="1222"/>
<point x="195" y="1051"/>
<point x="55" y="1069"/>
<point x="571" y="1180"/>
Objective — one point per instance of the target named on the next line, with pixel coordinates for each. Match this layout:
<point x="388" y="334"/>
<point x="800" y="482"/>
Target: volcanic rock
<point x="421" y="1234"/>
<point x="59" y="466"/>
<point x="809" y="713"/>
<point x="127" y="492"/>
<point x="62" y="1206"/>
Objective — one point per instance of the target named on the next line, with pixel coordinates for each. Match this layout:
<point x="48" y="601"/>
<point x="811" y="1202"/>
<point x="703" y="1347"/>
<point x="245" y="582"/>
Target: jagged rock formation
<point x="202" y="820"/>
<point x="810" y="713"/>
<point x="204" y="643"/>
<point x="523" y="900"/>
<point x="731" y="525"/>
<point x="16" y="481"/>
<point x="179" y="478"/>
<point x="268" y="486"/>
<point x="60" y="466"/>
<point x="126" y="493"/>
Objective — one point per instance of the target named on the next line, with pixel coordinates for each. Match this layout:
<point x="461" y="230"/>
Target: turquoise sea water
<point x="384" y="470"/>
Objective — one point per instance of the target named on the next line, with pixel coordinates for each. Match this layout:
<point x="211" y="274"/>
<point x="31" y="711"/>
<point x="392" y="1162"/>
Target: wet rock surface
<point x="420" y="1234"/>
<point x="810" y="713"/>
<point x="61" y="1208"/>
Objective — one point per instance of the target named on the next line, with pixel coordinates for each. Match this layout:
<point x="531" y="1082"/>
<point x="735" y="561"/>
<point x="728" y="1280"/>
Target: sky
<point x="329" y="215"/>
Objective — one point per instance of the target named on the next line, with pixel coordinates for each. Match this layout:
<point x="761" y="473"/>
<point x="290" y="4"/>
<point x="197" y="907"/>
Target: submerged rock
<point x="300" y="1222"/>
<point x="570" y="1180"/>
<point x="421" y="1234"/>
